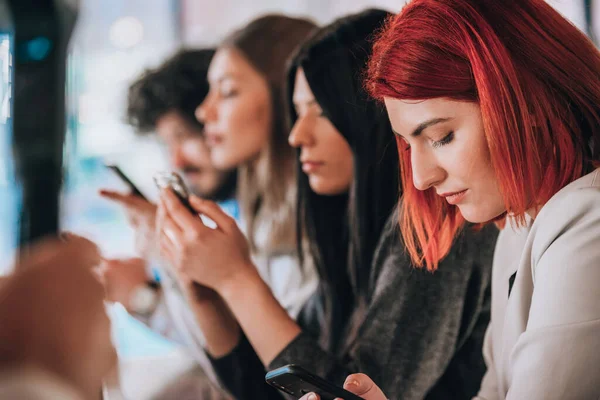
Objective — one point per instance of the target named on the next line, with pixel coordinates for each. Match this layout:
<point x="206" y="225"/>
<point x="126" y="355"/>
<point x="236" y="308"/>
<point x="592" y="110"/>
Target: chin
<point x="223" y="160"/>
<point x="324" y="188"/>
<point x="475" y="215"/>
<point x="478" y="215"/>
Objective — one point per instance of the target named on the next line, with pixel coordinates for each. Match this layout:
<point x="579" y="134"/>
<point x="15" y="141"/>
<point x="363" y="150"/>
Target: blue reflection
<point x="36" y="49"/>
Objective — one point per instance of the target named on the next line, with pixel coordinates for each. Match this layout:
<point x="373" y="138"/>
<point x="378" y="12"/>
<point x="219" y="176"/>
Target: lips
<point x="191" y="173"/>
<point x="213" y="139"/>
<point x="311" y="166"/>
<point x="454" y="197"/>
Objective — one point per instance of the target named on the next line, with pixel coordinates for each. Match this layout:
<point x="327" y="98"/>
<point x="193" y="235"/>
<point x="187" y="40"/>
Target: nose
<point x="205" y="111"/>
<point x="425" y="170"/>
<point x="302" y="133"/>
<point x="177" y="156"/>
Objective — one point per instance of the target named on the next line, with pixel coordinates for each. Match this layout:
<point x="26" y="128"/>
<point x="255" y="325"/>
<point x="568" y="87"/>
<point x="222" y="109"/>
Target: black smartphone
<point x="296" y="381"/>
<point x="173" y="181"/>
<point x="132" y="188"/>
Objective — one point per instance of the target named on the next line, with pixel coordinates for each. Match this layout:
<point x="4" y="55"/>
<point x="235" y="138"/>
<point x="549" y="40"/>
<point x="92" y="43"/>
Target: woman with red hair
<point x="496" y="107"/>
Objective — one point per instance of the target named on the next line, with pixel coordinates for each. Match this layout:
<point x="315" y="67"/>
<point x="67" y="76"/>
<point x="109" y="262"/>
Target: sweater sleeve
<point x="242" y="373"/>
<point x="422" y="333"/>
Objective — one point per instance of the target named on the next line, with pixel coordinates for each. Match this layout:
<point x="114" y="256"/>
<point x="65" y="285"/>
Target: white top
<point x="174" y="319"/>
<point x="543" y="341"/>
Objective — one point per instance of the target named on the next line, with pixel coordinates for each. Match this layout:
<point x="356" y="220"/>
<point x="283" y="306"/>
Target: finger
<point x="172" y="233"/>
<point x="99" y="273"/>
<point x="127" y="200"/>
<point x="362" y="385"/>
<point x="167" y="253"/>
<point x="213" y="211"/>
<point x="136" y="261"/>
<point x="310" y="396"/>
<point x="180" y="215"/>
<point x="171" y="242"/>
<point x="161" y="213"/>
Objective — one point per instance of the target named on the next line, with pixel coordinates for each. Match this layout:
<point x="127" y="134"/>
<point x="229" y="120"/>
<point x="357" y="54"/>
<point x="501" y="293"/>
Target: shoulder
<point x="570" y="216"/>
<point x="390" y="248"/>
<point x="472" y="251"/>
<point x="391" y="258"/>
<point x="471" y="254"/>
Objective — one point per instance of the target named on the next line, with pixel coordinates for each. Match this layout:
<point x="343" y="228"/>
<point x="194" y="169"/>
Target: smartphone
<point x="132" y="188"/>
<point x="296" y="381"/>
<point x="173" y="181"/>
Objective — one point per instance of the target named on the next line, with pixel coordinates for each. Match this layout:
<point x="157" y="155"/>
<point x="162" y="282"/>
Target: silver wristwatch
<point x="143" y="299"/>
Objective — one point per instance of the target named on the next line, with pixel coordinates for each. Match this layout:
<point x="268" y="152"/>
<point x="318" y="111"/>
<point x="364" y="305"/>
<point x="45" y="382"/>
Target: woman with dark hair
<point x="496" y="105"/>
<point x="373" y="312"/>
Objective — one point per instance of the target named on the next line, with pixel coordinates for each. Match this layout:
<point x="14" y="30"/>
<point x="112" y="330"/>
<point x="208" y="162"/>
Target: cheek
<point x="197" y="153"/>
<point x="341" y="161"/>
<point x="347" y="166"/>
<point x="249" y="121"/>
<point x="467" y="162"/>
<point x="261" y="115"/>
<point x="482" y="167"/>
<point x="478" y="175"/>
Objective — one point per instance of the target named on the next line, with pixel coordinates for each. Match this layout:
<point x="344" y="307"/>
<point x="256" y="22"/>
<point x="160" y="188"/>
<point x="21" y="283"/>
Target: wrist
<point x="241" y="284"/>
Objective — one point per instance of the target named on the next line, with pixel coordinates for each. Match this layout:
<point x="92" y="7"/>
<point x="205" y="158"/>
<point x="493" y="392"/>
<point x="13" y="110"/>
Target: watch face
<point x="143" y="298"/>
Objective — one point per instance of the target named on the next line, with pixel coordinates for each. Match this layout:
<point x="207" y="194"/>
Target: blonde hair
<point x="267" y="186"/>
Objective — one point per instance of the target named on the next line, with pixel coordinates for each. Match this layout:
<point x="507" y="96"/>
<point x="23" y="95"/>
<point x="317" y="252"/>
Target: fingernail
<point x="352" y="382"/>
<point x="312" y="396"/>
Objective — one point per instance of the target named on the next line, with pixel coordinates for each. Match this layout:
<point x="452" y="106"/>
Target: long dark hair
<point x="266" y="189"/>
<point x="342" y="231"/>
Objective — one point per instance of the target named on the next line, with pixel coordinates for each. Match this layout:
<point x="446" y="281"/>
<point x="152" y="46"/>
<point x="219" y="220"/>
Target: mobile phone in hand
<point x="296" y="381"/>
<point x="173" y="181"/>
<point x="132" y="188"/>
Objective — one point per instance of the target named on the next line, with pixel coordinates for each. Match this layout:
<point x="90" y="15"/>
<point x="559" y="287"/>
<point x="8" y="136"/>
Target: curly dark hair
<point x="179" y="84"/>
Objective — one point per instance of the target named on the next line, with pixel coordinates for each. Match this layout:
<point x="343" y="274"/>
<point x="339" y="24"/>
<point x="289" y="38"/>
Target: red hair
<point x="535" y="78"/>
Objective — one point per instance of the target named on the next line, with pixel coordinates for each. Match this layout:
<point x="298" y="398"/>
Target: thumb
<point x="363" y="386"/>
<point x="212" y="211"/>
<point x="310" y="396"/>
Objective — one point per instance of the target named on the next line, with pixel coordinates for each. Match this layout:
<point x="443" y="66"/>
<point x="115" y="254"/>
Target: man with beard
<point x="163" y="101"/>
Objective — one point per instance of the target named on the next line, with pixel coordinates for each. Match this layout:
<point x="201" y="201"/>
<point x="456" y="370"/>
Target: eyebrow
<point x="225" y="77"/>
<point x="424" y="125"/>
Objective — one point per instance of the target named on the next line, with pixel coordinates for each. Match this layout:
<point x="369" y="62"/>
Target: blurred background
<point x="114" y="41"/>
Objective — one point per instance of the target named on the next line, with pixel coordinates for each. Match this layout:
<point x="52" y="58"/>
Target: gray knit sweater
<point x="418" y="335"/>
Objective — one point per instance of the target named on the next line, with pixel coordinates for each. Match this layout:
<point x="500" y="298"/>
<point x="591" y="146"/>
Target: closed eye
<point x="447" y="139"/>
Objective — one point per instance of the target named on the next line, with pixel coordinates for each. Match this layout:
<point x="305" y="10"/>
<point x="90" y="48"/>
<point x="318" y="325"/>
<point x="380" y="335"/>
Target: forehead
<point x="229" y="62"/>
<point x="405" y="115"/>
<point x="302" y="90"/>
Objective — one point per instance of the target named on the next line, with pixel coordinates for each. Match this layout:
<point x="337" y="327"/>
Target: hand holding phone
<point x="173" y="181"/>
<point x="296" y="381"/>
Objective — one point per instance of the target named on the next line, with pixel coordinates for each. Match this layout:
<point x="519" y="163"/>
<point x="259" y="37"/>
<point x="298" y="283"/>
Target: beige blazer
<point x="543" y="341"/>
